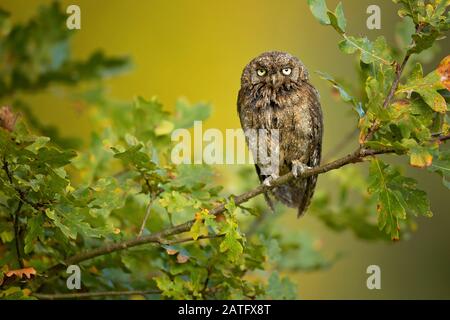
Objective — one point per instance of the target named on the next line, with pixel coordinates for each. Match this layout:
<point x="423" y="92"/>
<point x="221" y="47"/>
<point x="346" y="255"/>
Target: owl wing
<point x="315" y="148"/>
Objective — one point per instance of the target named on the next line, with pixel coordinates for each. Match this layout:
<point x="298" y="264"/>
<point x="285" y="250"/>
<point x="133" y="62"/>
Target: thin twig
<point x="17" y="237"/>
<point x="205" y="284"/>
<point x="147" y="214"/>
<point x="398" y="74"/>
<point x="16" y="221"/>
<point x="81" y="295"/>
<point x="6" y="169"/>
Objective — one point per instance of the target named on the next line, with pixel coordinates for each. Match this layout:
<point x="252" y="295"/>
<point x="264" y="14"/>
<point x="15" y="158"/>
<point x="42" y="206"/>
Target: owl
<point x="276" y="94"/>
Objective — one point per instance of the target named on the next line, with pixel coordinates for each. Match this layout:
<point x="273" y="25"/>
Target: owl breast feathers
<point x="275" y="94"/>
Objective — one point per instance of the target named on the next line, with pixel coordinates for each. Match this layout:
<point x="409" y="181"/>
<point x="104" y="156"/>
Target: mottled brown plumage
<point x="275" y="94"/>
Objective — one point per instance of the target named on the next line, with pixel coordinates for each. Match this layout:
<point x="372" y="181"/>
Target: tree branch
<point x="147" y="214"/>
<point x="57" y="296"/>
<point x="398" y="74"/>
<point x="160" y="237"/>
<point x="17" y="237"/>
<point x="387" y="101"/>
<point x="15" y="216"/>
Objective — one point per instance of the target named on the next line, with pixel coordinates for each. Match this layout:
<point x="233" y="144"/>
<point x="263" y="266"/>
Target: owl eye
<point x="286" y="71"/>
<point x="261" y="72"/>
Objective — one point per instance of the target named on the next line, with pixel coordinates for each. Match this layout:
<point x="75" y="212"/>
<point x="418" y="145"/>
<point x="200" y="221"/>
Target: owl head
<point x="274" y="71"/>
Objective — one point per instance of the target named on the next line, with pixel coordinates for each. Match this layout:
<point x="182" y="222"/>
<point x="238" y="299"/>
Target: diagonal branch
<point x="161" y="237"/>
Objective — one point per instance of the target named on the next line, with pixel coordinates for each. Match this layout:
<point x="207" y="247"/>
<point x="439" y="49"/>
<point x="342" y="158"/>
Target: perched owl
<point x="275" y="94"/>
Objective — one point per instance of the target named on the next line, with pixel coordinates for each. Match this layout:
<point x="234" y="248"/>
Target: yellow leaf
<point x="165" y="127"/>
<point x="444" y="71"/>
<point x="26" y="292"/>
<point x="421" y="160"/>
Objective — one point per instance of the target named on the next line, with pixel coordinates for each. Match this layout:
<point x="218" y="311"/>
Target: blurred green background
<point x="198" y="49"/>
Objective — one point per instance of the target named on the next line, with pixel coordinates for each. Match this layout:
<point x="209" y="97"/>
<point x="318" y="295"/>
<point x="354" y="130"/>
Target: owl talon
<point x="298" y="168"/>
<point x="268" y="181"/>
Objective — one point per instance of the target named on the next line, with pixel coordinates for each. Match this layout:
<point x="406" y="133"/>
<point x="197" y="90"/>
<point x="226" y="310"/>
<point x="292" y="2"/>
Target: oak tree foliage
<point x="63" y="203"/>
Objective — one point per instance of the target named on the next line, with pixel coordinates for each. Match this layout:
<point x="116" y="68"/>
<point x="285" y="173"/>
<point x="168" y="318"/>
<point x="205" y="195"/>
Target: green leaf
<point x="133" y="156"/>
<point x="427" y="87"/>
<point x="281" y="288"/>
<point x="172" y="288"/>
<point x="337" y="19"/>
<point x="54" y="157"/>
<point x="273" y="250"/>
<point x="175" y="201"/>
<point x="339" y="12"/>
<point x="147" y="114"/>
<point x="369" y="52"/>
<point x="35" y="230"/>
<point x="41" y="46"/>
<point x="198" y="229"/>
<point x="301" y="252"/>
<point x="192" y="177"/>
<point x="105" y="195"/>
<point x="39" y="143"/>
<point x="404" y="31"/>
<point x="231" y="245"/>
<point x="6" y="235"/>
<point x="396" y="196"/>
<point x="430" y="21"/>
<point x="441" y="165"/>
<point x="186" y="114"/>
<point x="72" y="222"/>
<point x="345" y="96"/>
<point x="319" y="10"/>
<point x="423" y="41"/>
<point x="164" y="128"/>
<point x="420" y="156"/>
<point x="407" y="119"/>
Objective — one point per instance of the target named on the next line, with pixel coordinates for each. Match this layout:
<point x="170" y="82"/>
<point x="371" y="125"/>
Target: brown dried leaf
<point x="171" y="251"/>
<point x="181" y="258"/>
<point x="27" y="272"/>
<point x="220" y="217"/>
<point x="7" y="118"/>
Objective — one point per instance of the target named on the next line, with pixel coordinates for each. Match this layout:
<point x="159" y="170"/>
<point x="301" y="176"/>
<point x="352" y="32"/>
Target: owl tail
<point x="269" y="202"/>
<point x="306" y="199"/>
<point x="302" y="209"/>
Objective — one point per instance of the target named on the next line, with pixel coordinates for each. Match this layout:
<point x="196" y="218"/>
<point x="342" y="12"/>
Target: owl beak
<point x="276" y="81"/>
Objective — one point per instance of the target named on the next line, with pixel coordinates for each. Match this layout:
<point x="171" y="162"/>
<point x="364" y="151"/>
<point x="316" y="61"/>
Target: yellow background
<point x="198" y="49"/>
